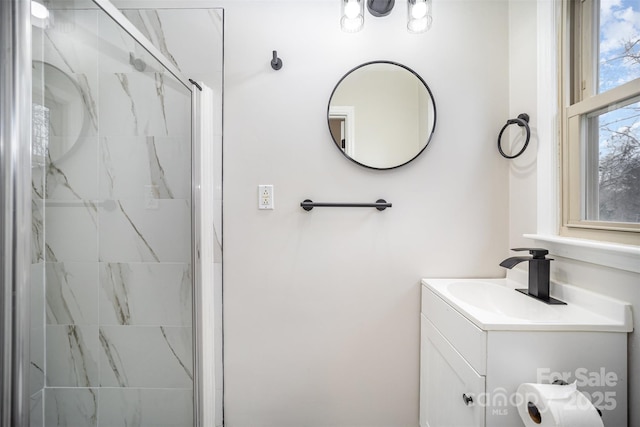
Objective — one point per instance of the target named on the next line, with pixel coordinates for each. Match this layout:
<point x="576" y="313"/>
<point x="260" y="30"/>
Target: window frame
<point x="578" y="98"/>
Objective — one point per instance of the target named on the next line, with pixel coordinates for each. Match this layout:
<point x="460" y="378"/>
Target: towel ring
<point x="522" y="121"/>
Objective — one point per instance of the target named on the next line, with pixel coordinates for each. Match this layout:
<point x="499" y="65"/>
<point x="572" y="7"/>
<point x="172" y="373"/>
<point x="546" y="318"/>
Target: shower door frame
<point x="15" y="210"/>
<point x="201" y="409"/>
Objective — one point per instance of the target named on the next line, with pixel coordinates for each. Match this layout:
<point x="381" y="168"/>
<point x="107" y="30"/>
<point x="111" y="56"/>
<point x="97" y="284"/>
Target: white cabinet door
<point x="449" y="387"/>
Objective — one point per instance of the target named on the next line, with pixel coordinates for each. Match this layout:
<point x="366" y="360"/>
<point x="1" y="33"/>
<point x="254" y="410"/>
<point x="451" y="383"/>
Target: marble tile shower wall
<point x="115" y="238"/>
<point x="37" y="289"/>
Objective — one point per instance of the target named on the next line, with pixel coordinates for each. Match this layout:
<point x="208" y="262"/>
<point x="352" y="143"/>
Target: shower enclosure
<point x="102" y="300"/>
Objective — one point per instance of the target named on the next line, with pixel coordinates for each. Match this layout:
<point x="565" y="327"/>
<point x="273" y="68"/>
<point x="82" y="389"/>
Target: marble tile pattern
<point x="112" y="229"/>
<point x="145" y="407"/>
<point x="126" y="353"/>
<point x="36" y="409"/>
<point x="71" y="407"/>
<point x="113" y="407"/>
<point x="72" y="355"/>
<point x="165" y="29"/>
<point x="37" y="231"/>
<point x="71" y="294"/>
<point x="127" y="288"/>
<point x="36" y="273"/>
<point x="37" y="330"/>
<point x="37" y="276"/>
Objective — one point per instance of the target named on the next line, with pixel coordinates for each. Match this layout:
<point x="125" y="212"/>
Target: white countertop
<point x="493" y="304"/>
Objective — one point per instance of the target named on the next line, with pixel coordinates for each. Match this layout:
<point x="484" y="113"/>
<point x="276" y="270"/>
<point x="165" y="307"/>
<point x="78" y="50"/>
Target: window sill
<point x="622" y="257"/>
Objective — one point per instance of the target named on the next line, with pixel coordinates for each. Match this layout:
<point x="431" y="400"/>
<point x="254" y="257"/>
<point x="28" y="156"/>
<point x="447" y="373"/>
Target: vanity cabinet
<point x="448" y="383"/>
<point x="469" y="375"/>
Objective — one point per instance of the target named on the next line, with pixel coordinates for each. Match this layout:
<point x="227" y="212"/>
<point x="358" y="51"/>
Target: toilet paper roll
<point x="548" y="405"/>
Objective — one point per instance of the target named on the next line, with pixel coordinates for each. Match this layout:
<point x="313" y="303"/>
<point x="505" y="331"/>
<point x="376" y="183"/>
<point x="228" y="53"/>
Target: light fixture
<point x="39" y="11"/>
<point x="380" y="8"/>
<point x="352" y="15"/>
<point x="418" y="15"/>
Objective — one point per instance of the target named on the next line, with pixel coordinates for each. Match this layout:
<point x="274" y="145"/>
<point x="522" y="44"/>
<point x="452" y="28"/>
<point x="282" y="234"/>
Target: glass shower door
<point x="112" y="234"/>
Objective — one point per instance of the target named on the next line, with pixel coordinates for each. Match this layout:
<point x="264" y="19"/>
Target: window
<point x="601" y="121"/>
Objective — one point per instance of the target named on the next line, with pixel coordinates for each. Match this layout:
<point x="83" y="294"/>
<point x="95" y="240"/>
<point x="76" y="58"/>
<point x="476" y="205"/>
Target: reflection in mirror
<point x="381" y="115"/>
<point x="59" y="112"/>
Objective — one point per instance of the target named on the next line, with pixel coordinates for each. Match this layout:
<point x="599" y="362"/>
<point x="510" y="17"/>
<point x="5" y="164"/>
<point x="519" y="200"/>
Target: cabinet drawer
<point x="451" y="391"/>
<point x="469" y="340"/>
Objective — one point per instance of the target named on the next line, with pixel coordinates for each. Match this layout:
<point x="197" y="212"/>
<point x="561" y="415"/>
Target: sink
<point x="501" y="300"/>
<point x="494" y="304"/>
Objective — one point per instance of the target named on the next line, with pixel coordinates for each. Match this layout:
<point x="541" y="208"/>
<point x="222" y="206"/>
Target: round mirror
<point x="58" y="111"/>
<point x="381" y="115"/>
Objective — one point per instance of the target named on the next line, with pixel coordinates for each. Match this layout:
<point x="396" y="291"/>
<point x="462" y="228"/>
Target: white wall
<point x="321" y="308"/>
<point x="522" y="99"/>
<point x="523" y="181"/>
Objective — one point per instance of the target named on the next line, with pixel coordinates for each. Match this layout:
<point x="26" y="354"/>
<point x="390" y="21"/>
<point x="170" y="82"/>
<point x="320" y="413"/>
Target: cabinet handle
<point x="468" y="400"/>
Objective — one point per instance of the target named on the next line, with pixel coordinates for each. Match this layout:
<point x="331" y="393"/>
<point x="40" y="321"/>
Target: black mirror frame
<point x="433" y="100"/>
<point x="86" y="113"/>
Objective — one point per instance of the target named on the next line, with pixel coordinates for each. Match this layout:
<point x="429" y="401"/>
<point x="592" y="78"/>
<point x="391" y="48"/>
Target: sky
<point x="619" y="23"/>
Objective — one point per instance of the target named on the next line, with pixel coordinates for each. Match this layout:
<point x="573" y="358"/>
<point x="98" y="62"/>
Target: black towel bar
<point x="380" y="204"/>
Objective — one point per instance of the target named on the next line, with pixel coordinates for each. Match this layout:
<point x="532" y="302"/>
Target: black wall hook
<point x="522" y="121"/>
<point x="276" y="63"/>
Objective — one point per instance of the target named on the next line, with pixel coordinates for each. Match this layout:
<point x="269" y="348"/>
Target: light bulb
<point x="419" y="25"/>
<point x="351" y="25"/>
<point x="351" y="9"/>
<point x="419" y="9"/>
<point x="38" y="10"/>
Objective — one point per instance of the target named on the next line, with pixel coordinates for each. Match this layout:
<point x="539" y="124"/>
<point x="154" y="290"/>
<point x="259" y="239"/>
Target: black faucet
<point x="539" y="271"/>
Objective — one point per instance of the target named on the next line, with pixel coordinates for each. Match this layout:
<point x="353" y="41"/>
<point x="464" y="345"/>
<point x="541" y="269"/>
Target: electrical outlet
<point x="265" y="197"/>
